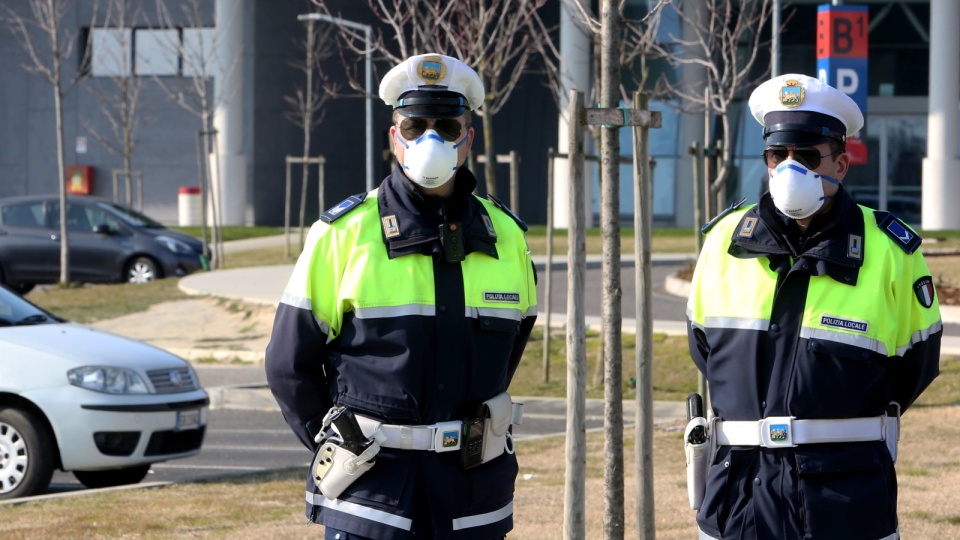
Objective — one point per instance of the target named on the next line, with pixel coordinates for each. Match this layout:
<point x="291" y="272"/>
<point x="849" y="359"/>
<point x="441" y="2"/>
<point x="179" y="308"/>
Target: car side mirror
<point x="102" y="228"/>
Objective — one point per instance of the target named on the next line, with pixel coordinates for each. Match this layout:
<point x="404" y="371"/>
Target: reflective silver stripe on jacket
<point x="359" y="511"/>
<point x="480" y="520"/>
<point x="704" y="536"/>
<point x="429" y="310"/>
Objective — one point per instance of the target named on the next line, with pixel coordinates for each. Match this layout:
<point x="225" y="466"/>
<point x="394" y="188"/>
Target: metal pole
<point x="286" y="212"/>
<point x="775" y="42"/>
<point x="368" y="69"/>
<point x="368" y="74"/>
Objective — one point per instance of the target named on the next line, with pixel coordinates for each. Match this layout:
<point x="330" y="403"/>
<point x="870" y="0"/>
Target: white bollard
<point x="188" y="204"/>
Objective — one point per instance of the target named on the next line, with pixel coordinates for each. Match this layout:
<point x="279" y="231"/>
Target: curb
<point x="196" y="355"/>
<point x="242" y="397"/>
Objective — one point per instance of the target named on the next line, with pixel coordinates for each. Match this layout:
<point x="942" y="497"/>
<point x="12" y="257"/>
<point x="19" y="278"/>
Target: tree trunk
<point x="64" y="242"/>
<point x="613" y="527"/>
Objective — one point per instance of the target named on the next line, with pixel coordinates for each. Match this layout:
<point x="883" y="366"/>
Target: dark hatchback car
<point x="109" y="243"/>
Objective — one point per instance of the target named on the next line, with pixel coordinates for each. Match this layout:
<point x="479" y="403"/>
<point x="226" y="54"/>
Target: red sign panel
<point x="842" y="32"/>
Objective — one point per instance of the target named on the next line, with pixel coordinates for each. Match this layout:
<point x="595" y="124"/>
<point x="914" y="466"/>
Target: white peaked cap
<point x="798" y="109"/>
<point x="429" y="85"/>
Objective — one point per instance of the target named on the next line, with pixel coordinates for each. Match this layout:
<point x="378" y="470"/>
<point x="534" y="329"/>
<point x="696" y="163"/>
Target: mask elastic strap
<point x="832" y="181"/>
<point x="828" y="179"/>
<point x="400" y="140"/>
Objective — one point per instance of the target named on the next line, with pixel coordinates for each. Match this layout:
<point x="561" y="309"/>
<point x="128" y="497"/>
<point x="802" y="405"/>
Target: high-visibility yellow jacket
<point x="838" y="324"/>
<point x="378" y="316"/>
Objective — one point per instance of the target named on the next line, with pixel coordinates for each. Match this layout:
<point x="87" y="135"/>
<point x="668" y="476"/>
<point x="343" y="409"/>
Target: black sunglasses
<point x="807" y="155"/>
<point x="449" y="128"/>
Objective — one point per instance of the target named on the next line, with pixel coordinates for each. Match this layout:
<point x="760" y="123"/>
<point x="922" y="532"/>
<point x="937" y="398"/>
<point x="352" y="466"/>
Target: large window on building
<point x="116" y="52"/>
<point x="111" y="52"/>
<point x="158" y="52"/>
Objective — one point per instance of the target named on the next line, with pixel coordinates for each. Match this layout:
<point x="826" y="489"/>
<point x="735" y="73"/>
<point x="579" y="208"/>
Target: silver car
<point x="78" y="399"/>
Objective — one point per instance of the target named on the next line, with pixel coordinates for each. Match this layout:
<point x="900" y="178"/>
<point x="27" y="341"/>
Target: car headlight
<point x="110" y="380"/>
<point x="174" y="245"/>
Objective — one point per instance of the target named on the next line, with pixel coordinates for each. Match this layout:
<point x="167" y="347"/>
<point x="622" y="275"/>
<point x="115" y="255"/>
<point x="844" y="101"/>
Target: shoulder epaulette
<point x="342" y="208"/>
<point x="496" y="202"/>
<point x="901" y="234"/>
<point x="721" y="215"/>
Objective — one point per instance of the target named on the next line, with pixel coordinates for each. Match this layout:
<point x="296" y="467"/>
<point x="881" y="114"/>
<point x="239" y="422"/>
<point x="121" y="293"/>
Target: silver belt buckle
<point x="777" y="432"/>
<point x="446" y="437"/>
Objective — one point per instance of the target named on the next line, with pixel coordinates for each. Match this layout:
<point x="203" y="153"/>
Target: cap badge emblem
<point x="791" y="95"/>
<point x="431" y="70"/>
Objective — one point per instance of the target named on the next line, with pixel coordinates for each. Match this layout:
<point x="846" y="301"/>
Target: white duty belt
<point x="439" y="437"/>
<point x="787" y="431"/>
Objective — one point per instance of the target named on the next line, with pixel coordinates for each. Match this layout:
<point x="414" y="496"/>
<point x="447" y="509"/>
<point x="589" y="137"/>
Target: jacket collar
<point x="410" y="221"/>
<point x="834" y="241"/>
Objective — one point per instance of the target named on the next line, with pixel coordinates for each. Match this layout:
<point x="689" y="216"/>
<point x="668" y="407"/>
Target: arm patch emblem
<point x="924" y="290"/>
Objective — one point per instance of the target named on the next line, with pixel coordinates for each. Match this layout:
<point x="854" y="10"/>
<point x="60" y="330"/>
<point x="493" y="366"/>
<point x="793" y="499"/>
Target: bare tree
<point x="308" y="100"/>
<point x="48" y="45"/>
<point x="119" y="101"/>
<point x="637" y="45"/>
<point x="726" y="44"/>
<point x="493" y="36"/>
<point x="194" y="90"/>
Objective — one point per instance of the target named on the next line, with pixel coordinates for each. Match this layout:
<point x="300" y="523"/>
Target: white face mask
<point x="796" y="190"/>
<point x="430" y="161"/>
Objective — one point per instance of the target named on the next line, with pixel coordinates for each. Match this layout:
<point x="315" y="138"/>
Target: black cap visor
<point x="801" y="128"/>
<point x="431" y="104"/>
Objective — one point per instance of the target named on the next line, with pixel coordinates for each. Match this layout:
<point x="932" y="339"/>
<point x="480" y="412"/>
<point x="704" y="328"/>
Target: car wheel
<point x="112" y="477"/>
<point x="142" y="270"/>
<point x="26" y="454"/>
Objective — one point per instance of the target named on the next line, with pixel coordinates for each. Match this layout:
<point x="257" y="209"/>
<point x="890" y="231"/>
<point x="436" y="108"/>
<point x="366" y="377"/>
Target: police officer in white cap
<point x="400" y="329"/>
<point x="816" y="323"/>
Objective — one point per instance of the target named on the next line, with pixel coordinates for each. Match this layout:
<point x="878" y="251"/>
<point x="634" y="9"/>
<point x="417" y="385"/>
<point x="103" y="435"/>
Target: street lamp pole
<point x="368" y="75"/>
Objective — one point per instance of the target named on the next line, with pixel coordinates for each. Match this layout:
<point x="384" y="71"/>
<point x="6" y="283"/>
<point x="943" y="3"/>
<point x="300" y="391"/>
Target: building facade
<point x="256" y="41"/>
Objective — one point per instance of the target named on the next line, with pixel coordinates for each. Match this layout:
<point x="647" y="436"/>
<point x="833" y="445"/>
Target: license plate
<point x="188" y="420"/>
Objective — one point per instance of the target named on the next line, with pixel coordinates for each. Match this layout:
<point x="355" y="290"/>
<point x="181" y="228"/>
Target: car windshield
<point x="15" y="311"/>
<point x="131" y="216"/>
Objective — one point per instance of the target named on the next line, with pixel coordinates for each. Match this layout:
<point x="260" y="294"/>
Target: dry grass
<point x="271" y="505"/>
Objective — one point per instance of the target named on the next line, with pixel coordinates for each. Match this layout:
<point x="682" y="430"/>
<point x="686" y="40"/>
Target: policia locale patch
<point x="923" y="288"/>
<point x="846" y="324"/>
<point x="506" y="297"/>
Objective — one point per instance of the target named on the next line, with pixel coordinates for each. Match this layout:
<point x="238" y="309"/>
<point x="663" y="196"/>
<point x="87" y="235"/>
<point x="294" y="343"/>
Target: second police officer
<point x="816" y="323"/>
